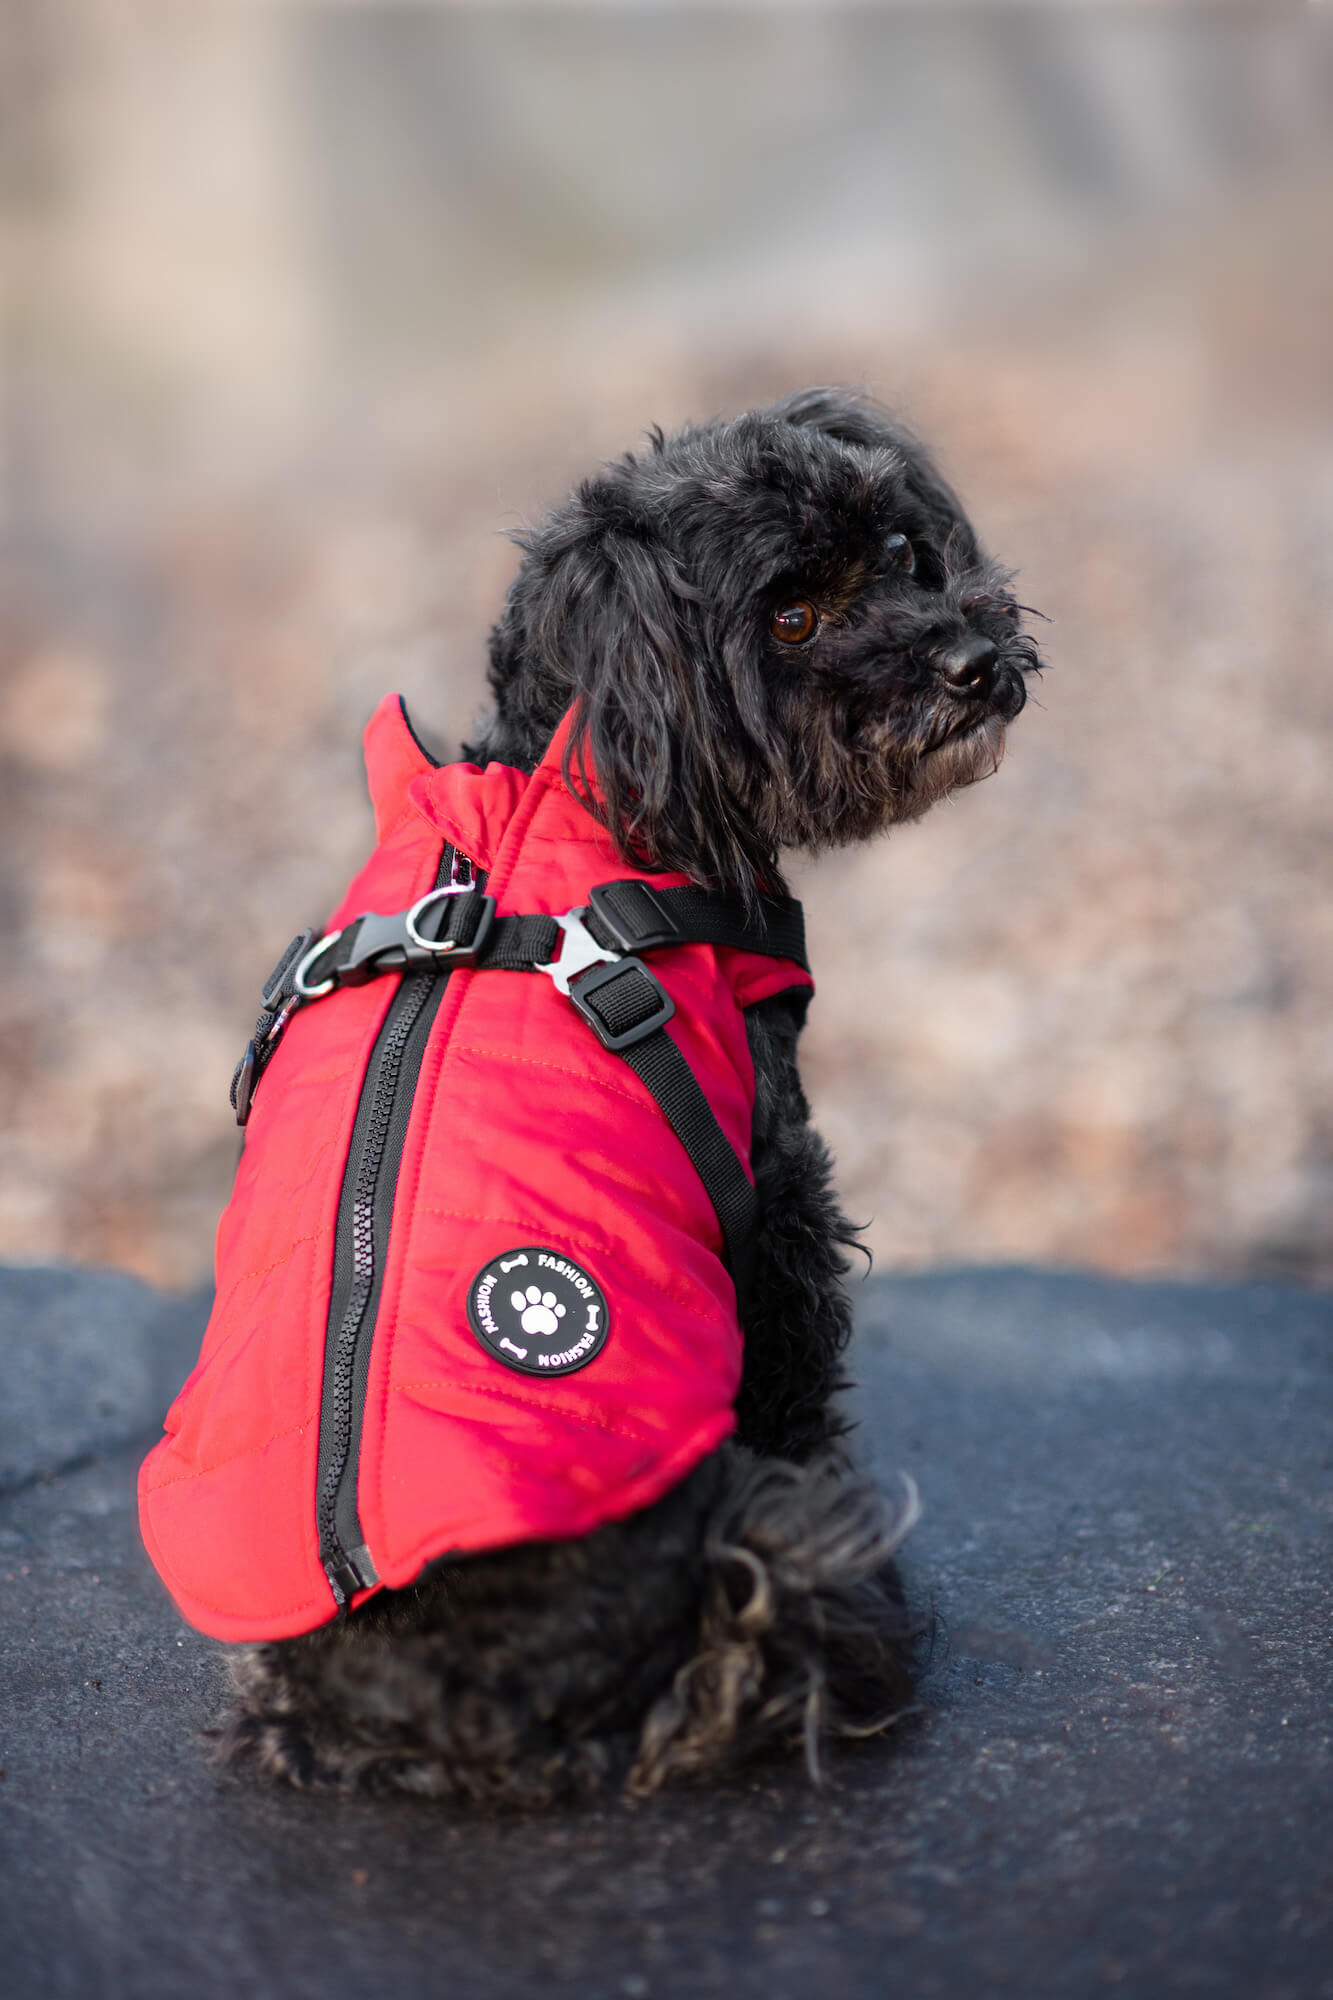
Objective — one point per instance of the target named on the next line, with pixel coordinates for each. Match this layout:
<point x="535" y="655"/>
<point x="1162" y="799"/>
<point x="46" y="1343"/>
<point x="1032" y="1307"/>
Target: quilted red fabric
<point x="523" y="1130"/>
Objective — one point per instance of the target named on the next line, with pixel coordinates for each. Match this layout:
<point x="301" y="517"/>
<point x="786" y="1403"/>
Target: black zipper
<point x="365" y="1216"/>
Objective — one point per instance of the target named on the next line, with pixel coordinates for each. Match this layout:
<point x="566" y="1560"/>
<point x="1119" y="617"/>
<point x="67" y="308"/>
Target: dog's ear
<point x="602" y="612"/>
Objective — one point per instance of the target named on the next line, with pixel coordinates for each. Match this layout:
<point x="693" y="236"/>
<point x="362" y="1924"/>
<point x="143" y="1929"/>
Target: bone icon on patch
<point x="521" y="1352"/>
<point x="514" y="1262"/>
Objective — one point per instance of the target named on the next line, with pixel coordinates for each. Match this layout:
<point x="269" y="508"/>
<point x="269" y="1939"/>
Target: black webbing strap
<point x="626" y="996"/>
<point x="519" y="944"/>
<point x="636" y="916"/>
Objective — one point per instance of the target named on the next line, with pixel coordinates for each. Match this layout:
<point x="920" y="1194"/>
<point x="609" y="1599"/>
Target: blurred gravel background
<point x="307" y="305"/>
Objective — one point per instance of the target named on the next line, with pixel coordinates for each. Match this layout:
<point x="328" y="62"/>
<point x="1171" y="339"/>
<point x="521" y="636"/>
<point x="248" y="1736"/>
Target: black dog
<point x="779" y="632"/>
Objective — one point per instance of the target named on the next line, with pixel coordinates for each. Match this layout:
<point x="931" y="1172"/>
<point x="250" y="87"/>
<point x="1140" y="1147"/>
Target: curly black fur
<point x="754" y="1603"/>
<point x="757" y="1602"/>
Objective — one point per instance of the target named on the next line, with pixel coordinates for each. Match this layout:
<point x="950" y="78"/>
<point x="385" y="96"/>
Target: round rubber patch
<point x="538" y="1312"/>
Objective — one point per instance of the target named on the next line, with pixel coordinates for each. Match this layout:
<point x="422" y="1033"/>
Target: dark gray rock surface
<point x="1121" y="1779"/>
<point x="90" y="1359"/>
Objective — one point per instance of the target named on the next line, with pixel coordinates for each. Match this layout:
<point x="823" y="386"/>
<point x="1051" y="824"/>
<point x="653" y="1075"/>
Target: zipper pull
<point x="356" y="1571"/>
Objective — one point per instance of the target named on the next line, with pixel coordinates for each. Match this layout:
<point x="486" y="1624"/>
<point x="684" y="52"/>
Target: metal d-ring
<point x="299" y="976"/>
<point x="433" y="945"/>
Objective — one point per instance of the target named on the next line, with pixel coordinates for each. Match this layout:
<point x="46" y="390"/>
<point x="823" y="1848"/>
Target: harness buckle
<point x="633" y="1003"/>
<point x="395" y="942"/>
<point x="585" y="969"/>
<point x="579" y="951"/>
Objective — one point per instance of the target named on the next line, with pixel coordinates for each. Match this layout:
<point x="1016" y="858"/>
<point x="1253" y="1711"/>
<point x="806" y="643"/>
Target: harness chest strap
<point x="596" y="966"/>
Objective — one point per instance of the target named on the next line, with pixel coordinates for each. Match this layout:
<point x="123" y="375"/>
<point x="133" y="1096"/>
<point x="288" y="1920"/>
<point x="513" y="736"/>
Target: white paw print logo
<point x="540" y="1312"/>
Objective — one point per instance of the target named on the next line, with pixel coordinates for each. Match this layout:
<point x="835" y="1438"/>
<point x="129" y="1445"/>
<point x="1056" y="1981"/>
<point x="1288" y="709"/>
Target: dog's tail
<point x="803" y="1632"/>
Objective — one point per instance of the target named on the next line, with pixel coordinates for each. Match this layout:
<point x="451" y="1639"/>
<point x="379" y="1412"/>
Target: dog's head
<point x="780" y="631"/>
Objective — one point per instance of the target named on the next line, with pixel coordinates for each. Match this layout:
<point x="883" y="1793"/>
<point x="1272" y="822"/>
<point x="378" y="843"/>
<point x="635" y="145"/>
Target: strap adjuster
<point x="585" y="968"/>
<point x="645" y="990"/>
<point x="633" y="915"/>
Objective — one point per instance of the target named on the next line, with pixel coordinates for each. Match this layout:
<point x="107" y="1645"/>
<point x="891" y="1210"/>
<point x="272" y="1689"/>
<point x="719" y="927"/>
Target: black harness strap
<point x="518" y="944"/>
<point x="634" y="916"/>
<point x="626" y="1006"/>
<point x="626" y="998"/>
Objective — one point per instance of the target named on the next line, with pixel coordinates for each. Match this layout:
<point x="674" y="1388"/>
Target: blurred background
<point x="308" y="305"/>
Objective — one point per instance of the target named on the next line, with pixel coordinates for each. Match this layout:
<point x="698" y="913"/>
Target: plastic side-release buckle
<point x="397" y="942"/>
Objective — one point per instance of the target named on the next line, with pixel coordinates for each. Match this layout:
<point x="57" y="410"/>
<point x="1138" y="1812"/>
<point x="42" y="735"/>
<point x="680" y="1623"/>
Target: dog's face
<point x="782" y="631"/>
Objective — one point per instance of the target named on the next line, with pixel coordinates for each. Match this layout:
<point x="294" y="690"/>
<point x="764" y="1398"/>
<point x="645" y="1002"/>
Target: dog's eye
<point x="900" y="554"/>
<point x="794" y="623"/>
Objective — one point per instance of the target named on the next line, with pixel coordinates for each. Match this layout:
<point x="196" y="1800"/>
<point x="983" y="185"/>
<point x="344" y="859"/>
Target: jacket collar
<point x="472" y="805"/>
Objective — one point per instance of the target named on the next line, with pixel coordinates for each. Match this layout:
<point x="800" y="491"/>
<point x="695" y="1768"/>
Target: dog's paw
<point x="541" y="1312"/>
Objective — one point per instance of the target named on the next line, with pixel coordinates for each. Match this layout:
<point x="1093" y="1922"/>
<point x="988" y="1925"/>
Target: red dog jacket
<point x="472" y="1287"/>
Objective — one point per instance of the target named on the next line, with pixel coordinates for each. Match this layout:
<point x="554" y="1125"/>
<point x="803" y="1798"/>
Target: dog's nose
<point x="970" y="665"/>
